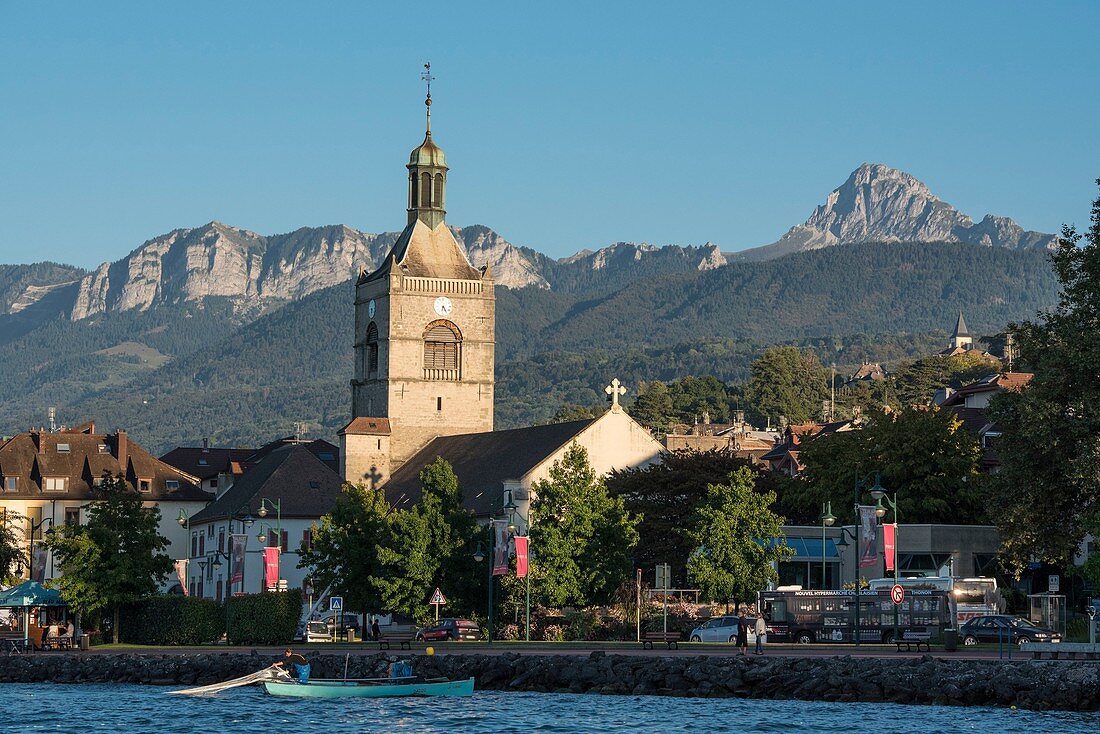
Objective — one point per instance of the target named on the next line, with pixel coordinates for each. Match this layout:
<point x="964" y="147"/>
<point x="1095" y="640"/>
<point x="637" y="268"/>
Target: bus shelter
<point x="1048" y="610"/>
<point x="26" y="596"/>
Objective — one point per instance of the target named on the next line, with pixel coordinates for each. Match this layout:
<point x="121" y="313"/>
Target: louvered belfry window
<point x="442" y="350"/>
<point x="372" y="349"/>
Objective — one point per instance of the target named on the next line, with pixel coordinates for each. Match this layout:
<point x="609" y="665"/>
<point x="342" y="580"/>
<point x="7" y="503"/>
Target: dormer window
<point x="104" y="448"/>
<point x="145" y="485"/>
<point x="171" y="484"/>
<point x="62" y="448"/>
<point x="54" y="484"/>
<point x="203" y="462"/>
<point x="11" y="484"/>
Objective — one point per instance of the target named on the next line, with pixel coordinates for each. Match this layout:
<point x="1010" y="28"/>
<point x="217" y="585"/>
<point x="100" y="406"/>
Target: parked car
<point x="316" y="632"/>
<point x="450" y="629"/>
<point x="721" y="629"/>
<point x="346" y="620"/>
<point x="1002" y="627"/>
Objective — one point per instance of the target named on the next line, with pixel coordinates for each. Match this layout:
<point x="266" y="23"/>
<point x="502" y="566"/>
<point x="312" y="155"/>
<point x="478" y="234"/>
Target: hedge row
<point x="172" y="620"/>
<point x="270" y="618"/>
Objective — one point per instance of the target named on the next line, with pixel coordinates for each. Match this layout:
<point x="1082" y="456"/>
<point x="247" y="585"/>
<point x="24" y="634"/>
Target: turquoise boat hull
<point x="369" y="689"/>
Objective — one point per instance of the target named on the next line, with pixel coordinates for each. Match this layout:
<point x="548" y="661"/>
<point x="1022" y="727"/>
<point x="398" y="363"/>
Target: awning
<point x="809" y="549"/>
<point x="30" y="594"/>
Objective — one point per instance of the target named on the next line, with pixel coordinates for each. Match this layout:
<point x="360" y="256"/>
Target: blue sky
<point x="566" y="125"/>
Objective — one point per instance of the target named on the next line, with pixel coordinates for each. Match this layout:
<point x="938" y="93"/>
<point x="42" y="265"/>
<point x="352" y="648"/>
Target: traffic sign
<point x="1053" y="583"/>
<point x="438" y="598"/>
<point x="336" y="604"/>
<point x="897" y="593"/>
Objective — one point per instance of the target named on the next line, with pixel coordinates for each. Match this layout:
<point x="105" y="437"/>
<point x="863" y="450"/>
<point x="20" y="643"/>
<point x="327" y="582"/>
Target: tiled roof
<point x="366" y="426"/>
<point x="483" y="462"/>
<point x="1011" y="381"/>
<point x="205" y="462"/>
<point x="81" y="459"/>
<point x="305" y="487"/>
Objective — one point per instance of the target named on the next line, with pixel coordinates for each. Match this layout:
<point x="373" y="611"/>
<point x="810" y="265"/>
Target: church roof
<point x="428" y="154"/>
<point x="483" y="462"/>
<point x="367" y="426"/>
<point x="960" y="326"/>
<point x="428" y="253"/>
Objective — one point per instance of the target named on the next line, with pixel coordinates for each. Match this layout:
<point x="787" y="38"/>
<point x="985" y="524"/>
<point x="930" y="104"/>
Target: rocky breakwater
<point x="918" y="680"/>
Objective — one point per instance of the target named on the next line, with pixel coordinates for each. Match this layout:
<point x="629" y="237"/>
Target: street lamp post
<point x="827" y="519"/>
<point x="860" y="485"/>
<point x="35" y="527"/>
<point x="880" y="512"/>
<point x="479" y="556"/>
<point x="513" y="512"/>
<point x="185" y="523"/>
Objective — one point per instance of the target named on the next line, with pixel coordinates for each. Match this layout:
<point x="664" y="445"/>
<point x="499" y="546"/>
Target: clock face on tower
<point x="443" y="306"/>
<point x="370" y="308"/>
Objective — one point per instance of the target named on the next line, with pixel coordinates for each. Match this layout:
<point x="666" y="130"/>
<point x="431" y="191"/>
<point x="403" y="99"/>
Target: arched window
<point x="412" y="191"/>
<point x="442" y="351"/>
<point x="439" y="190"/>
<point x="372" y="349"/>
<point x="425" y="189"/>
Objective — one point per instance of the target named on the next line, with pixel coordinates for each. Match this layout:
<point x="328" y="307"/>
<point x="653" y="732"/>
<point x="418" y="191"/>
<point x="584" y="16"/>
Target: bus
<point x="829" y="615"/>
<point x="970" y="597"/>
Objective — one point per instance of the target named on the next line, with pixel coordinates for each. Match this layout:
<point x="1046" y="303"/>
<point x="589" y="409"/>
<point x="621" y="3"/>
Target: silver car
<point x="721" y="629"/>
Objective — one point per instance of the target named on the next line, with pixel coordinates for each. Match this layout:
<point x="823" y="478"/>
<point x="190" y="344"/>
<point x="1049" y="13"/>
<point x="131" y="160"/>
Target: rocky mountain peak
<point x="878" y="203"/>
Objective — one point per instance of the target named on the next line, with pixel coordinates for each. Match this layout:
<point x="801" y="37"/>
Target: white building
<point x="273" y="504"/>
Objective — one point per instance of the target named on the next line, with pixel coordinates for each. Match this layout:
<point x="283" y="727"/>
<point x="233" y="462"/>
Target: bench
<point x="404" y="639"/>
<point x="669" y="638"/>
<point x="1056" y="650"/>
<point x="15" y="646"/>
<point x="913" y="638"/>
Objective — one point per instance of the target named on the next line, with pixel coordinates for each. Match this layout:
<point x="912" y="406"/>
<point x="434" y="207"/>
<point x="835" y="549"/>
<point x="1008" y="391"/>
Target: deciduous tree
<point x="734" y="534"/>
<point x="11" y="547"/>
<point x="117" y="557"/>
<point x="787" y="382"/>
<point x="582" y="536"/>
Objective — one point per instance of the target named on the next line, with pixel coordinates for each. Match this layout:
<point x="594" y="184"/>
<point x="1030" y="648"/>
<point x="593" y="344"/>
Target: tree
<point x="583" y="537"/>
<point x="664" y="496"/>
<point x="734" y="533"/>
<point x="11" y="547"/>
<point x="926" y="456"/>
<point x="117" y="557"/>
<point x="346" y="553"/>
<point x="567" y="413"/>
<point x="1047" y="494"/>
<point x="787" y="382"/>
<point x="917" y="381"/>
<point x="653" y="406"/>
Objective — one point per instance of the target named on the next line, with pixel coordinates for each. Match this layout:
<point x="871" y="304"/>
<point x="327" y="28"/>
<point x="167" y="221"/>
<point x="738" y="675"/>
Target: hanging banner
<point x="40" y="553"/>
<point x="521" y="556"/>
<point x="889" y="545"/>
<point x="500" y="547"/>
<point x="236" y="557"/>
<point x="868" y="547"/>
<point x="271" y="568"/>
<point x="181" y="575"/>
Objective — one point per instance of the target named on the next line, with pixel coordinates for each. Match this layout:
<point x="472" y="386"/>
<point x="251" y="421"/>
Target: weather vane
<point x="426" y="75"/>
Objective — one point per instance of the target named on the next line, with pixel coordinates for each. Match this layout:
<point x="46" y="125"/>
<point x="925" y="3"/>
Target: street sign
<point x="1053" y="582"/>
<point x="437" y="597"/>
<point x="664" y="576"/>
<point x="336" y="604"/>
<point x="897" y="593"/>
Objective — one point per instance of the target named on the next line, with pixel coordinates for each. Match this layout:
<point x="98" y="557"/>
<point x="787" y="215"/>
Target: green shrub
<point x="270" y="618"/>
<point x="172" y="620"/>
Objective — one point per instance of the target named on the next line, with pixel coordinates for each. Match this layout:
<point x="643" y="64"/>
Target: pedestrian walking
<point x="761" y="630"/>
<point x="743" y="634"/>
<point x="375" y="630"/>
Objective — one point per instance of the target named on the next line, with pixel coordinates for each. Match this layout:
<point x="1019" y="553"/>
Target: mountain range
<point x="223" y="332"/>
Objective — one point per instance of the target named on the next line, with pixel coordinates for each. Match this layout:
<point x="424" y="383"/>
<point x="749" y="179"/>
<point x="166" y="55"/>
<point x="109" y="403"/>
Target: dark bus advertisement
<point x="830" y="615"/>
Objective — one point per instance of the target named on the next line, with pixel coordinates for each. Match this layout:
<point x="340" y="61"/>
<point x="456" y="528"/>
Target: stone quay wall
<point x="917" y="680"/>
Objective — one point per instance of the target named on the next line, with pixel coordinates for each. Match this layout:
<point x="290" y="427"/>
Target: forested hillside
<point x="176" y="374"/>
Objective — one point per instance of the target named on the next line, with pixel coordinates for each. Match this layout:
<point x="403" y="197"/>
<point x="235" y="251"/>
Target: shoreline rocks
<point x="1073" y="686"/>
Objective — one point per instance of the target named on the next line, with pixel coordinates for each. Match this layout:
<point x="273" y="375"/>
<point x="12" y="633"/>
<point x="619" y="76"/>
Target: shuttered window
<point x="425" y="189"/>
<point x="441" y="351"/>
<point x="372" y="349"/>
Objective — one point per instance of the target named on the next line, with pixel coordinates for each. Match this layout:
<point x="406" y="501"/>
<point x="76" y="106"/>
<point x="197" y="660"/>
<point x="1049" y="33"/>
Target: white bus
<point x="972" y="597"/>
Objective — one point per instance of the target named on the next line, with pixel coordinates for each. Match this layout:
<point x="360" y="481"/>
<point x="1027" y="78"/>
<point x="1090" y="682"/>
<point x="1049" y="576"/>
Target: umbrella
<point x="26" y="595"/>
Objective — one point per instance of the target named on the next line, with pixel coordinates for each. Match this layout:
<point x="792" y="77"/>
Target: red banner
<point x="501" y="546"/>
<point x="889" y="545"/>
<point x="181" y="575"/>
<point x="521" y="556"/>
<point x="271" y="568"/>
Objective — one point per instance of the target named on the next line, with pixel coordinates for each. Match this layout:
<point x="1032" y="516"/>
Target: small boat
<point x="370" y="688"/>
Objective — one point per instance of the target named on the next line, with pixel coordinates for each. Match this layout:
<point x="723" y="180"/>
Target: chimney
<point x="123" y="450"/>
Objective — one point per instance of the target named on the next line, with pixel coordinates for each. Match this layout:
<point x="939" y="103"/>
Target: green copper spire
<point x="427" y="171"/>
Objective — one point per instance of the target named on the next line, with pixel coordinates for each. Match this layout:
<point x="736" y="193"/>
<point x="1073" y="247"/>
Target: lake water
<point x="130" y="708"/>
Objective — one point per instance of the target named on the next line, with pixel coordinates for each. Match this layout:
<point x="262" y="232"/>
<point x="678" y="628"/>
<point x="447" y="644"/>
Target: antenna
<point x="52" y="413"/>
<point x="299" y="429"/>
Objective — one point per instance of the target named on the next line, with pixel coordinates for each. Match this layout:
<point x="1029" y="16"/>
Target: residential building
<point x="48" y="479"/>
<point x="971" y="404"/>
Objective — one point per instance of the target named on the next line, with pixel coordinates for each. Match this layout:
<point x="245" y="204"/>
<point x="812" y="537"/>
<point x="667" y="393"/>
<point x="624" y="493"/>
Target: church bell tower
<point x="424" y="333"/>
